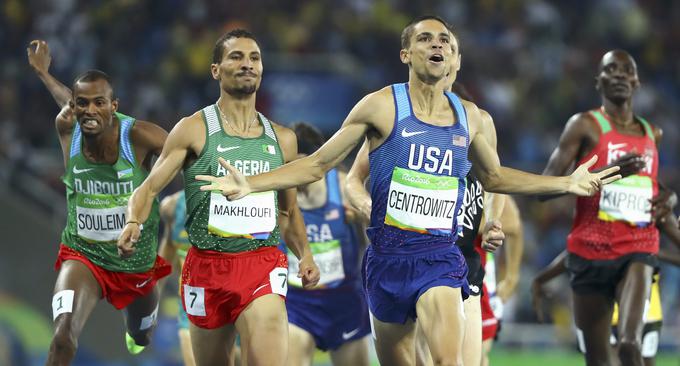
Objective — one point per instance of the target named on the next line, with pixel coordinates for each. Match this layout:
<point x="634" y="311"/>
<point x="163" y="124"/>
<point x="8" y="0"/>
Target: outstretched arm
<point x="499" y="179"/>
<point x="355" y="186"/>
<point x="39" y="58"/>
<point x="311" y="168"/>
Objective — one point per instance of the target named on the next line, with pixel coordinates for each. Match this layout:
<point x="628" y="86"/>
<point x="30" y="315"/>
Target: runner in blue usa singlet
<point x="417" y="186"/>
<point x="336" y="312"/>
<point x="334" y="315"/>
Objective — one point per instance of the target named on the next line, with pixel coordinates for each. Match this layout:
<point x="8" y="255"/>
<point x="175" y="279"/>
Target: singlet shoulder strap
<point x="605" y="126"/>
<point x="401" y="103"/>
<point x="212" y="122"/>
<point x="333" y="187"/>
<point x="268" y="128"/>
<point x="461" y="115"/>
<point x="126" y="149"/>
<point x="75" y="139"/>
<point x="648" y="128"/>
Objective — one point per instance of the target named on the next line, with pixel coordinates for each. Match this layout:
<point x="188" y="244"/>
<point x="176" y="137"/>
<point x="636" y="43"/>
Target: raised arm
<point x="177" y="147"/>
<point x="360" y="120"/>
<point x="291" y="223"/>
<point x="355" y="185"/>
<point x="499" y="179"/>
<point x="39" y="58"/>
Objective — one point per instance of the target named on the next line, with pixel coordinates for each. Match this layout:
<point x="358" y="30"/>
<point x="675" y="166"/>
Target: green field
<point x="559" y="358"/>
<point x="505" y="357"/>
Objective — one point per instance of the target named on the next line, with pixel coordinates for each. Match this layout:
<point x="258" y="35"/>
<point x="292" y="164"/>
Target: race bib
<point x="627" y="200"/>
<point x="328" y="257"/>
<point x="100" y="218"/>
<point x="421" y="202"/>
<point x="252" y="217"/>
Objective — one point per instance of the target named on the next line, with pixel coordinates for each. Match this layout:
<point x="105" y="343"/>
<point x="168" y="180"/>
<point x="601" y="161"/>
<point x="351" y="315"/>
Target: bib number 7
<point x="278" y="279"/>
<point x="194" y="300"/>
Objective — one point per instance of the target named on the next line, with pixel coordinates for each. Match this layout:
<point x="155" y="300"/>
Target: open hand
<point x="233" y="186"/>
<point x="128" y="239"/>
<point x="584" y="183"/>
<point x="308" y="272"/>
<point x="492" y="236"/>
<point x="39" y="56"/>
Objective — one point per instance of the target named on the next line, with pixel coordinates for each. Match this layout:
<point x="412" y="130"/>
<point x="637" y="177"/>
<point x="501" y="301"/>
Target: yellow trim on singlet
<point x="654" y="311"/>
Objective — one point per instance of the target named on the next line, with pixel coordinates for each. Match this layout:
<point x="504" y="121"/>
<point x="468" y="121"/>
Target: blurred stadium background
<point x="530" y="63"/>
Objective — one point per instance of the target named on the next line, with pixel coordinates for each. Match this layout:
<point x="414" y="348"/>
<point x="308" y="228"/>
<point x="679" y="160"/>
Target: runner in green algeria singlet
<point x="97" y="195"/>
<point x="213" y="222"/>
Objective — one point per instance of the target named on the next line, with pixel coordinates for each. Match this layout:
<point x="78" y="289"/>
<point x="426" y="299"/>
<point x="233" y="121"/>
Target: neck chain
<point x="248" y="126"/>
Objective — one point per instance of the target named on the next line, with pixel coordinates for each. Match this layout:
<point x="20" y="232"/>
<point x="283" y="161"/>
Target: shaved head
<point x="615" y="54"/>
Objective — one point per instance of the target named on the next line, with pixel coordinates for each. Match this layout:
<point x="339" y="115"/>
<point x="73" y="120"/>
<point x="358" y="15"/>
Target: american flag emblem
<point x="332" y="214"/>
<point x="459" y="140"/>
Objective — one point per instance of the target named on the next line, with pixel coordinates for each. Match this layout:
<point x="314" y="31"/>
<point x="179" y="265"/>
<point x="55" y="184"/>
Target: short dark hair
<point x="407" y="33"/>
<point x="309" y="138"/>
<point x="91" y="76"/>
<point x="218" y="51"/>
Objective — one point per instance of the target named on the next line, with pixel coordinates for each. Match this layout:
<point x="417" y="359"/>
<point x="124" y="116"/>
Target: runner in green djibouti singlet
<point x="97" y="196"/>
<point x="106" y="155"/>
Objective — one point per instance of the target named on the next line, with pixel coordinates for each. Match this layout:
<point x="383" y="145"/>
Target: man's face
<point x="93" y="106"/>
<point x="433" y="52"/>
<point x="240" y="71"/>
<point x="618" y="77"/>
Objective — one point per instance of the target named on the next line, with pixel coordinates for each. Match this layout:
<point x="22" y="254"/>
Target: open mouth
<point x="436" y="58"/>
<point x="89" y="123"/>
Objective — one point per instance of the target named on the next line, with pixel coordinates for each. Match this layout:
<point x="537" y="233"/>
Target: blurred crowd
<point x="530" y="63"/>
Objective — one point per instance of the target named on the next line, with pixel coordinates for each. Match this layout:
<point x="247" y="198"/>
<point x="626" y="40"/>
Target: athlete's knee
<point x="64" y="341"/>
<point x="629" y="347"/>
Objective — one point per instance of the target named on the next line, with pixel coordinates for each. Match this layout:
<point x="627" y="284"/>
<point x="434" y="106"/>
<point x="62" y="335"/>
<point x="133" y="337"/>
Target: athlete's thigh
<point x="423" y="356"/>
<point x="593" y="315"/>
<point x="76" y="293"/>
<point x="185" y="346"/>
<point x="440" y="313"/>
<point x="212" y="346"/>
<point x="351" y="353"/>
<point x="394" y="342"/>
<point x="472" y="343"/>
<point x="263" y="325"/>
<point x="301" y="346"/>
<point x="632" y="295"/>
<point x="141" y="314"/>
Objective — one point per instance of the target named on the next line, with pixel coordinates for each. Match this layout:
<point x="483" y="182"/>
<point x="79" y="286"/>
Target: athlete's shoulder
<point x="282" y="132"/>
<point x="145" y="132"/>
<point x="189" y="124"/>
<point x="287" y="141"/>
